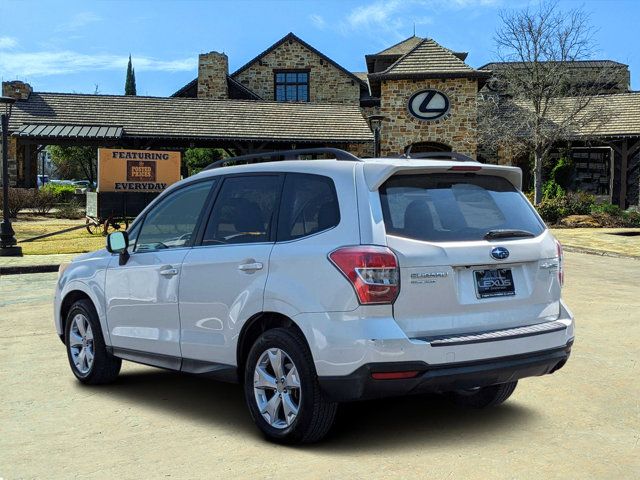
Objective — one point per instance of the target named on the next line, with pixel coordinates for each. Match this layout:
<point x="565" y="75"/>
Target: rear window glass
<point x="450" y="206"/>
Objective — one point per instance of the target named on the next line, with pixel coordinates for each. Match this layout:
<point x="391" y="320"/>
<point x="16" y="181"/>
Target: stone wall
<point x="327" y="84"/>
<point x="213" y="69"/>
<point x="16" y="89"/>
<point x="458" y="129"/>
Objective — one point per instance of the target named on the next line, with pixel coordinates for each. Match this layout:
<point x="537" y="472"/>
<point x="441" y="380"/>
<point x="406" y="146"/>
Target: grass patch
<point x="77" y="241"/>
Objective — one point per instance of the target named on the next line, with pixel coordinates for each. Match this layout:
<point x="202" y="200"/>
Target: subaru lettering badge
<point x="500" y="253"/>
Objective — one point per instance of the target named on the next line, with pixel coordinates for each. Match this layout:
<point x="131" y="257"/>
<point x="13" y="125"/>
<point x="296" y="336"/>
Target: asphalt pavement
<point x="581" y="422"/>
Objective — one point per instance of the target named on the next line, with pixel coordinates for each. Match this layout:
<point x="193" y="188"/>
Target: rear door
<point x="473" y="254"/>
<point x="223" y="278"/>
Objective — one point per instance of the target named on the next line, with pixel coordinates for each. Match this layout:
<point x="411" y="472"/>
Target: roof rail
<point x="285" y="154"/>
<point x="436" y="155"/>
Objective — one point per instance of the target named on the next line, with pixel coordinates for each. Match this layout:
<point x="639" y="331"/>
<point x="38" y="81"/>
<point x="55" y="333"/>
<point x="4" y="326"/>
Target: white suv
<point x="318" y="282"/>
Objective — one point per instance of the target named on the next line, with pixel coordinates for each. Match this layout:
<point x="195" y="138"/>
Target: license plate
<point x="494" y="283"/>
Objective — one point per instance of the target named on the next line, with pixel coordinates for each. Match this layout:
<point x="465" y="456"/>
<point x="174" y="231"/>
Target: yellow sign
<point x="137" y="170"/>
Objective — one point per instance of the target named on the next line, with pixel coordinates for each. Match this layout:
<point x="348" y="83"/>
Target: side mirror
<point x="118" y="242"/>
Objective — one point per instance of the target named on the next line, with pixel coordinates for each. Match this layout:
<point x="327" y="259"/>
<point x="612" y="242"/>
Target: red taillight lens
<point x="373" y="272"/>
<point x="560" y="265"/>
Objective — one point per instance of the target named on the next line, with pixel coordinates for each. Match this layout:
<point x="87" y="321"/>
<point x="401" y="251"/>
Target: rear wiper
<point x="507" y="233"/>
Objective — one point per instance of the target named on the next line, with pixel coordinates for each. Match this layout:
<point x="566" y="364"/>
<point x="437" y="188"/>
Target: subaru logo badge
<point x="500" y="253"/>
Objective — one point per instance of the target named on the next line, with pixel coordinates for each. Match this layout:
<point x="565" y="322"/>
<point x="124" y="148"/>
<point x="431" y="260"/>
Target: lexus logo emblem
<point x="428" y="105"/>
<point x="500" y="253"/>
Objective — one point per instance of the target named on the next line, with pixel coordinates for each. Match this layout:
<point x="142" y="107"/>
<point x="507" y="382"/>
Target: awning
<point x="69" y="131"/>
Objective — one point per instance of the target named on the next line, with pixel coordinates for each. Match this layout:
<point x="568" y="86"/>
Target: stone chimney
<point x="16" y="89"/>
<point x="213" y="68"/>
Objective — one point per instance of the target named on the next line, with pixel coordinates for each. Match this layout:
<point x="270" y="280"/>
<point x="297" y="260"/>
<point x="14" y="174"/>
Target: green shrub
<point x="72" y="210"/>
<point x="553" y="209"/>
<point x="62" y="193"/>
<point x="551" y="189"/>
<point x="562" y="172"/>
<point x="608" y="208"/>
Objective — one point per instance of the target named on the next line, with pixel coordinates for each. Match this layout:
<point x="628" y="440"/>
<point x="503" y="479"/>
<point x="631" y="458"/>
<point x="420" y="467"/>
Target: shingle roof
<point x="174" y="117"/>
<point x="402" y="47"/>
<point x="621" y="112"/>
<point x="430" y="59"/>
<point x="574" y="63"/>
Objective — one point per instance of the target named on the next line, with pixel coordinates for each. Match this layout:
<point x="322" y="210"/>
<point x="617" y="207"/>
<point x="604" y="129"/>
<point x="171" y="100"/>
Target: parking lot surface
<point x="582" y="422"/>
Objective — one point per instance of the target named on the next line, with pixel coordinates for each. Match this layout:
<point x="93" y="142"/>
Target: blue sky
<point x="72" y="46"/>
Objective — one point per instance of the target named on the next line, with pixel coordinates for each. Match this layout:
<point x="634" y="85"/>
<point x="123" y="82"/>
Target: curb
<point x="600" y="253"/>
<point x="22" y="269"/>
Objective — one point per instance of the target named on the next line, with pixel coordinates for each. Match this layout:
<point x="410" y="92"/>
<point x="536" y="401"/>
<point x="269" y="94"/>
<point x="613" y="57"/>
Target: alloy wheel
<point x="81" y="344"/>
<point x="276" y="387"/>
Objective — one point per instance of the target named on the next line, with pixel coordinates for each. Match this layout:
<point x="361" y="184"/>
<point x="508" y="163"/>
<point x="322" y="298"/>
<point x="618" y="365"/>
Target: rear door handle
<point x="250" y="267"/>
<point x="169" y="272"/>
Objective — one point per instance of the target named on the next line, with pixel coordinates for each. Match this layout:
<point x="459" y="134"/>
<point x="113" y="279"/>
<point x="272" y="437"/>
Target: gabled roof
<point x="291" y="37"/>
<point x="428" y="59"/>
<point x="188" y="118"/>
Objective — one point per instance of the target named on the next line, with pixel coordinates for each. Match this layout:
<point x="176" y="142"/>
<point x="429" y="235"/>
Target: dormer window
<point x="291" y="85"/>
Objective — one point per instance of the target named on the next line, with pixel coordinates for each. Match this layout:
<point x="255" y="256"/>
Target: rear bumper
<point x="360" y="385"/>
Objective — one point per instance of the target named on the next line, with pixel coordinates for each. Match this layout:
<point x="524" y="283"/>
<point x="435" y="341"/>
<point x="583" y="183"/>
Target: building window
<point x="292" y="86"/>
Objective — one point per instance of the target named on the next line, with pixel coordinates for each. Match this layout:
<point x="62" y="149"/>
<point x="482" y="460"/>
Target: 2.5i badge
<point x="494" y="283"/>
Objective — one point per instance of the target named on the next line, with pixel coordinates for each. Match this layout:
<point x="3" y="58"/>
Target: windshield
<point x="452" y="206"/>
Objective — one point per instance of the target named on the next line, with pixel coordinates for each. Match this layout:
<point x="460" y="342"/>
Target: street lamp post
<point x="8" y="247"/>
<point x="376" y="124"/>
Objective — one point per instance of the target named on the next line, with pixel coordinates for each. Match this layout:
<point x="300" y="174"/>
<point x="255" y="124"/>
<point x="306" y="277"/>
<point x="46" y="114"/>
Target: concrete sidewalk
<point x="33" y="263"/>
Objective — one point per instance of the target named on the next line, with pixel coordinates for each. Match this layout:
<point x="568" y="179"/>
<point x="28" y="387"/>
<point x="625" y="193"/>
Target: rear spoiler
<point x="377" y="173"/>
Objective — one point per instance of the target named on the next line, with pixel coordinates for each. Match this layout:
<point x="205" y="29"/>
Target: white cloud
<point x="78" y="21"/>
<point x="378" y="13"/>
<point x="8" y="42"/>
<point x="318" y="21"/>
<point x="35" y="64"/>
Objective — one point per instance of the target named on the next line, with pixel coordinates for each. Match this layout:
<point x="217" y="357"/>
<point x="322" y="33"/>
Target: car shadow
<point x="393" y="423"/>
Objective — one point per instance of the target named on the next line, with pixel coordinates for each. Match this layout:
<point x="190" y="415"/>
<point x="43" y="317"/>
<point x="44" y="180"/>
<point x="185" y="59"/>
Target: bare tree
<point x="537" y="96"/>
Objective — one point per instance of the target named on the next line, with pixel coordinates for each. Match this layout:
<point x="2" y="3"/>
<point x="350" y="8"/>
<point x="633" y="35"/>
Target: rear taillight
<point x="560" y="266"/>
<point x="373" y="272"/>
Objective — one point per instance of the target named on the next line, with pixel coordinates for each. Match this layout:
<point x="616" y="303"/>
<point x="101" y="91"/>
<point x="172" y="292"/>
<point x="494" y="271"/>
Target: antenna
<point x="414" y="29"/>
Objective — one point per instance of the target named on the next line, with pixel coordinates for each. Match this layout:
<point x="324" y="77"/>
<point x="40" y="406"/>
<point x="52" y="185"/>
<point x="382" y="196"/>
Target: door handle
<point x="169" y="272"/>
<point x="250" y="267"/>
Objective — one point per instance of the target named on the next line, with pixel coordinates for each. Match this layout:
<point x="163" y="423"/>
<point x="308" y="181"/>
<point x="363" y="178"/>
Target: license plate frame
<point x="494" y="282"/>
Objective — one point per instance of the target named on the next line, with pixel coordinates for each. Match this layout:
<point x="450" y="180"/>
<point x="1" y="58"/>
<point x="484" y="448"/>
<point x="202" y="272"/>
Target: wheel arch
<point x="69" y="299"/>
<point x="256" y="326"/>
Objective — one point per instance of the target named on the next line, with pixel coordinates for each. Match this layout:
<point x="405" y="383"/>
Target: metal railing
<point x="284" y="155"/>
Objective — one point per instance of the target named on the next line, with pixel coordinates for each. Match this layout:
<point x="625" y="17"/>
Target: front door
<point x="142" y="295"/>
<point x="223" y="279"/>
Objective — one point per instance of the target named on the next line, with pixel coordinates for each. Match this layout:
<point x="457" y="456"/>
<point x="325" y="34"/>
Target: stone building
<point x="415" y="96"/>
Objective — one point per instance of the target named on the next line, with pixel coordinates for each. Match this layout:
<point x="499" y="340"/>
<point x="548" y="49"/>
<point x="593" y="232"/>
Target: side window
<point x="244" y="210"/>
<point x="309" y="205"/>
<point x="172" y="222"/>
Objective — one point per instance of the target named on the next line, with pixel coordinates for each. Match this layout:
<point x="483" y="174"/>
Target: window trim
<point x="214" y="198"/>
<point x="291" y="70"/>
<point x="215" y="182"/>
<point x="281" y="227"/>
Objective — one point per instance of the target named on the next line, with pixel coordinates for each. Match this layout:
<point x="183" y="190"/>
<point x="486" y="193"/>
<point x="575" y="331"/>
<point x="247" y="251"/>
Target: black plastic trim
<point x="359" y="385"/>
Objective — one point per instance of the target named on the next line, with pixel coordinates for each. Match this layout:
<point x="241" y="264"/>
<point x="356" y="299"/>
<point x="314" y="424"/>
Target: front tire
<point x="282" y="390"/>
<point x="484" y="397"/>
<point x="88" y="357"/>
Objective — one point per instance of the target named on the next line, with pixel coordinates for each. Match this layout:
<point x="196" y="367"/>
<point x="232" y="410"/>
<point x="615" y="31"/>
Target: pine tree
<point x="130" y="83"/>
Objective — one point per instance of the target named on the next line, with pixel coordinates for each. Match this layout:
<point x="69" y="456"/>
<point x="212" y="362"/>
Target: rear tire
<point x="88" y="357"/>
<point x="485" y="396"/>
<point x="299" y="392"/>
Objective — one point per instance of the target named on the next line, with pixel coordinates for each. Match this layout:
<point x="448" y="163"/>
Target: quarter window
<point x="309" y="205"/>
<point x="244" y="211"/>
<point x="171" y="223"/>
<point x="292" y="86"/>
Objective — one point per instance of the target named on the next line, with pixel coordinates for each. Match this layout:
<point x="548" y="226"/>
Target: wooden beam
<point x="624" y="161"/>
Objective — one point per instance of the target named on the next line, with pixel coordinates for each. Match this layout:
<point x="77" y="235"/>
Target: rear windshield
<point x="452" y="206"/>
